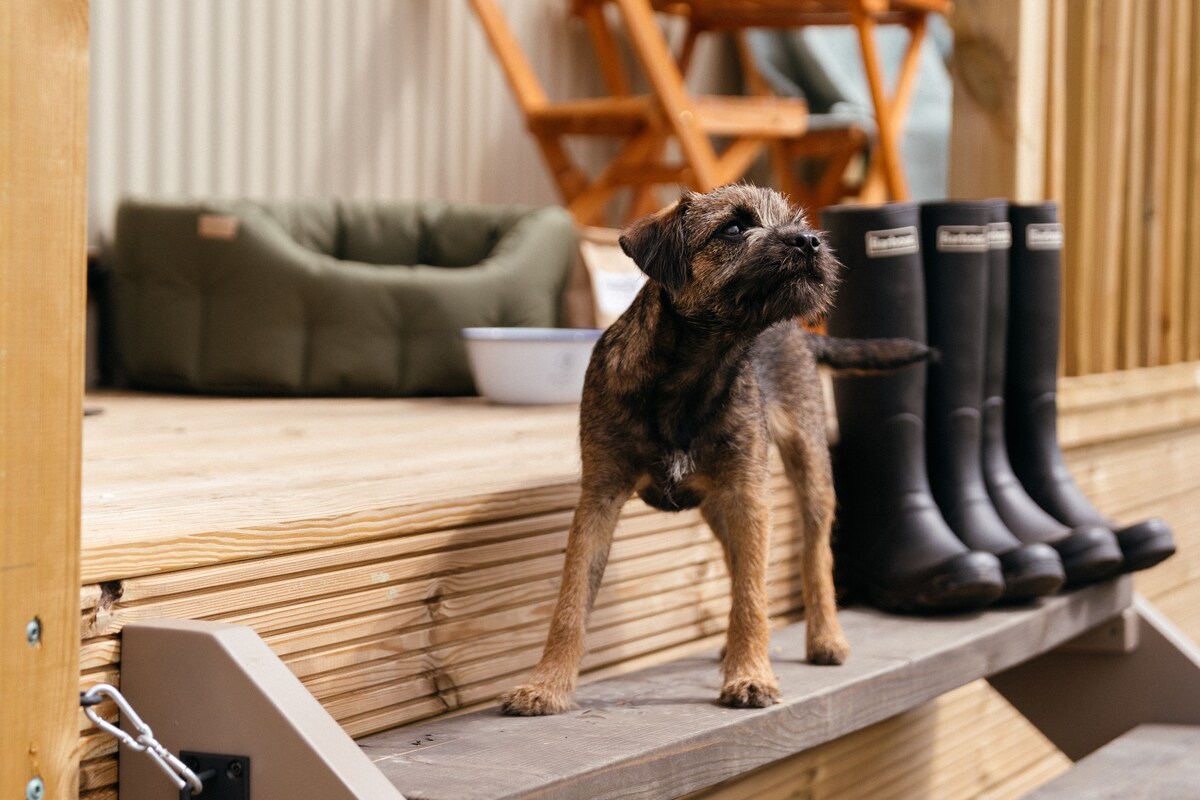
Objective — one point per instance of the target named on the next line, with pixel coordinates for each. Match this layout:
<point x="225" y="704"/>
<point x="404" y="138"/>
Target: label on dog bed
<point x="962" y="238"/>
<point x="1044" y="236"/>
<point x="893" y="242"/>
<point x="999" y="235"/>
<point x="217" y="226"/>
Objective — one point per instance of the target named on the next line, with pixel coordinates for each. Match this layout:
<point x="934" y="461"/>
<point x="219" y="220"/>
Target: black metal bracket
<point x="224" y="777"/>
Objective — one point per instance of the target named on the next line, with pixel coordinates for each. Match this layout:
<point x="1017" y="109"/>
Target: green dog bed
<point x="326" y="297"/>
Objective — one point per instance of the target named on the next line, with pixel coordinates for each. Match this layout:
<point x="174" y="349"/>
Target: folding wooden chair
<point x="886" y="178"/>
<point x="644" y="124"/>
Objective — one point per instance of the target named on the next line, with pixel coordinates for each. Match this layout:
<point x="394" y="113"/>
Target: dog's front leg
<point x="549" y="689"/>
<point x="741" y="520"/>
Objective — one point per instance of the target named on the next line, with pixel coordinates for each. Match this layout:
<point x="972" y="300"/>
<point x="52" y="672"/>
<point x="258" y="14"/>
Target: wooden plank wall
<point x="1112" y="135"/>
<point x="1123" y="111"/>
<point x="43" y="97"/>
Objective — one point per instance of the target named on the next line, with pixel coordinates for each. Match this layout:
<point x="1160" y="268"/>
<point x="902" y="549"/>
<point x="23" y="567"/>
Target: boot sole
<point x="1030" y="572"/>
<point x="1092" y="565"/>
<point x="1144" y="555"/>
<point x="1145" y="544"/>
<point x="1089" y="553"/>
<point x="964" y="588"/>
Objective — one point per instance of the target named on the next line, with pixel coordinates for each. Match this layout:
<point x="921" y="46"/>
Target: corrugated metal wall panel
<point x="295" y="98"/>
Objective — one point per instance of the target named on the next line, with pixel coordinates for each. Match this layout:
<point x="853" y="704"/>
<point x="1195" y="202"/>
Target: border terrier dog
<point x="683" y="396"/>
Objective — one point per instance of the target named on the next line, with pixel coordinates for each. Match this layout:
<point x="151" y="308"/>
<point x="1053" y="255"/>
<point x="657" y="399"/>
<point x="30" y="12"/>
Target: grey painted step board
<point x="1156" y="762"/>
<point x="659" y="732"/>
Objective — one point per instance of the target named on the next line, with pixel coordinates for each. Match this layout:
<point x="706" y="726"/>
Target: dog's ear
<point x="656" y="244"/>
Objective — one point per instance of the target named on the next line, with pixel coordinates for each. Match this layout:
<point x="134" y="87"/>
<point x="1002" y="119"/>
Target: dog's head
<point x="739" y="254"/>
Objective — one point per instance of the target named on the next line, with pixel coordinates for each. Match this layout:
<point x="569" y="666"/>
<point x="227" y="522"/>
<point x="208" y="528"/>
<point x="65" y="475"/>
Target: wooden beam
<point x="43" y="143"/>
<point x="1193" y="194"/>
<point x="1080" y="216"/>
<point x="1133" y="326"/>
<point x="998" y="133"/>
<point x="1174" y="292"/>
<point x="1109" y="228"/>
<point x="1156" y="178"/>
<point x="1056" y="102"/>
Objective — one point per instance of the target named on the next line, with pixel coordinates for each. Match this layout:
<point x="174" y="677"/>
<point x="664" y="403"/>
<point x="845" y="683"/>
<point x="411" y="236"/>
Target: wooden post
<point x="998" y="134"/>
<point x="43" y="138"/>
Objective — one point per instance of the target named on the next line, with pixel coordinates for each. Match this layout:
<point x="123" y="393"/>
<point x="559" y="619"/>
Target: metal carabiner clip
<point x="179" y="773"/>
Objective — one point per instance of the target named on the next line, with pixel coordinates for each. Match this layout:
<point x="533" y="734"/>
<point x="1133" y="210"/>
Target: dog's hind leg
<point x="740" y="518"/>
<point x="549" y="689"/>
<point x="805" y="456"/>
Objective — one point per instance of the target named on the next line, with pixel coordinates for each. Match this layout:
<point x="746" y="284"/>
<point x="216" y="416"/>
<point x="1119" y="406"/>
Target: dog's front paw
<point x="535" y="700"/>
<point x="828" y="650"/>
<point x="750" y="692"/>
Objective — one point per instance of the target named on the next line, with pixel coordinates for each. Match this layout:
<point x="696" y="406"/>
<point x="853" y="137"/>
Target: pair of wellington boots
<point x="952" y="489"/>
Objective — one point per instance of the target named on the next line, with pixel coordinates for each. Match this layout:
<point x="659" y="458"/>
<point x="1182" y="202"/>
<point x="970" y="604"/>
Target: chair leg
<point x="588" y="205"/>
<point x="571" y="180"/>
<point x="886" y="146"/>
<point x="667" y="83"/>
<point x="831" y="186"/>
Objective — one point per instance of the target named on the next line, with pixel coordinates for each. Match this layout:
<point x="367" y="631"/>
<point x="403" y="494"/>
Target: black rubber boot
<point x="893" y="546"/>
<point x="1031" y="409"/>
<point x="1089" y="552"/>
<point x="954" y="239"/>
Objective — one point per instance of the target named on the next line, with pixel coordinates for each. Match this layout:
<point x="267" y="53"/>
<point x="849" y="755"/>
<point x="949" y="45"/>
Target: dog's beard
<point x="795" y="285"/>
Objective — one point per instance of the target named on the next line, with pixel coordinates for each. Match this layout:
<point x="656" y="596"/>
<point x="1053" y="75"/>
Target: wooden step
<point x="1151" y="761"/>
<point x="659" y="733"/>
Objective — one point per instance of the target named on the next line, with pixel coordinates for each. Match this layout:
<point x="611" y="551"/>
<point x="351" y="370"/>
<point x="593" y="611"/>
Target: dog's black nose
<point x="806" y="242"/>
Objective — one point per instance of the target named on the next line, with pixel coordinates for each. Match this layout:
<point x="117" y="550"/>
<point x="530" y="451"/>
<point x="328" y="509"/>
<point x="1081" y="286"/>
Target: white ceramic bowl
<point x="530" y="365"/>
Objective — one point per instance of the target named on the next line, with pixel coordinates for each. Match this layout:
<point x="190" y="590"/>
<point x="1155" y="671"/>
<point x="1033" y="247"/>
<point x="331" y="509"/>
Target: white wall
<point x="294" y="98"/>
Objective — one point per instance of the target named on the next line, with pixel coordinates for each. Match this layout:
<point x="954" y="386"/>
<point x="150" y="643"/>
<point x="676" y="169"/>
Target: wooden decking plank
<point x="215" y="480"/>
<point x="1158" y="761"/>
<point x="637" y="519"/>
<point x="659" y="732"/>
<point x="218" y="481"/>
<point x="304" y="600"/>
<point x="655" y="644"/>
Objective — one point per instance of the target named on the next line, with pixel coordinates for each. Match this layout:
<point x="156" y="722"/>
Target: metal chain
<point x="144" y="742"/>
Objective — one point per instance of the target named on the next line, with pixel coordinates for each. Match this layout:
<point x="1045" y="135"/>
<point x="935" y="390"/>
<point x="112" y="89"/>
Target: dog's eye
<point x="732" y="229"/>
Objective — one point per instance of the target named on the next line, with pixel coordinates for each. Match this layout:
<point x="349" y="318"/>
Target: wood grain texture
<point x="1114" y="65"/>
<point x="43" y="94"/>
<point x="1118" y="151"/>
<point x="1132" y="320"/>
<point x="396" y="629"/>
<point x="966" y="743"/>
<point x="1192" y="246"/>
<point x="252" y="478"/>
<point x="1174" y="325"/>
<point x="1156" y="761"/>
<point x="998" y="133"/>
<point x="659" y="732"/>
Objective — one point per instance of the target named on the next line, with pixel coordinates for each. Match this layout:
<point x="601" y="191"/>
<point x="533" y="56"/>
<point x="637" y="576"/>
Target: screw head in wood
<point x="35" y="789"/>
<point x="33" y="631"/>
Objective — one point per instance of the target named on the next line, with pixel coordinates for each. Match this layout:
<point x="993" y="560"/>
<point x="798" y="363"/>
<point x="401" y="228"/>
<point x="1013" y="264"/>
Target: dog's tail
<point x="868" y="355"/>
